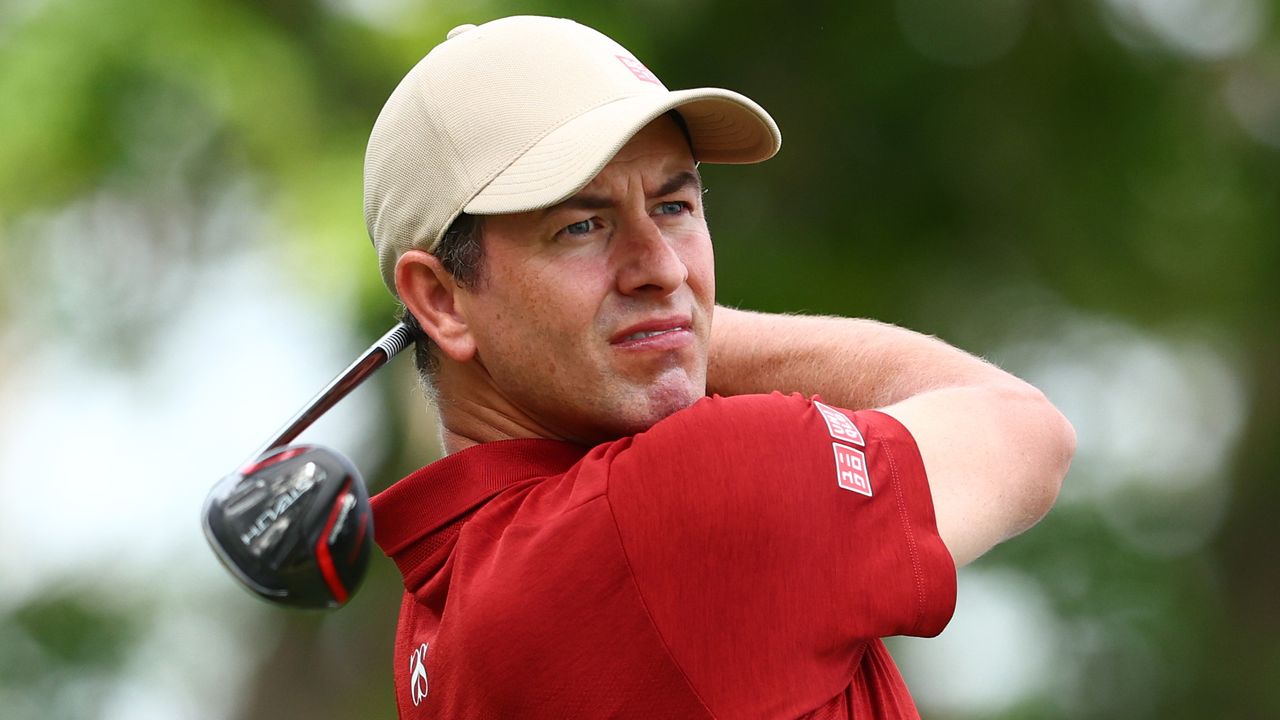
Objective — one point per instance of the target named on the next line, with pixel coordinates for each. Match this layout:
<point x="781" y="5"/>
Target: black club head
<point x="294" y="527"/>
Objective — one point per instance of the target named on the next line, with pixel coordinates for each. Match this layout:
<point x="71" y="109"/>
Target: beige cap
<point x="518" y="114"/>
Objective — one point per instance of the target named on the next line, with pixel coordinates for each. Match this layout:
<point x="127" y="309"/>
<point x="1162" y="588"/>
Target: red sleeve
<point x="772" y="536"/>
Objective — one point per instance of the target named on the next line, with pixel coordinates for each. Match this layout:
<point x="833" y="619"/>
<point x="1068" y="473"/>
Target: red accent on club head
<point x="355" y="549"/>
<point x="327" y="568"/>
<point x="272" y="460"/>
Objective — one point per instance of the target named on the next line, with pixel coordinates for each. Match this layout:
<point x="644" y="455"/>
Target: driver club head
<point x="293" y="526"/>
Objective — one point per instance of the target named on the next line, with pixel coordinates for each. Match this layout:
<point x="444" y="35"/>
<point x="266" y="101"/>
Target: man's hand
<point x="995" y="449"/>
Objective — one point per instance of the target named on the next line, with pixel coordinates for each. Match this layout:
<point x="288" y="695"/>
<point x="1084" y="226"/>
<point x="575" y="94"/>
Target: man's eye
<point x="671" y="208"/>
<point x="582" y="227"/>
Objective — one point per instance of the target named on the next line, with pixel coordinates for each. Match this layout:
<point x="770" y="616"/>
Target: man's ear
<point x="430" y="293"/>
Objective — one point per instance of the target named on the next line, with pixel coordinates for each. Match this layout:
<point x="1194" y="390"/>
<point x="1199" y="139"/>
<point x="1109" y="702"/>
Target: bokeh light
<point x="1206" y="29"/>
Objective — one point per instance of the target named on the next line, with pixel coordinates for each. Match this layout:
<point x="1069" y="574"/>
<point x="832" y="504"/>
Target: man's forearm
<point x="849" y="362"/>
<point x="995" y="449"/>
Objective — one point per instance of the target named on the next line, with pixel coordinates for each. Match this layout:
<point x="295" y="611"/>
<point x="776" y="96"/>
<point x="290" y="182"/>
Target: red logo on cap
<point x="638" y="69"/>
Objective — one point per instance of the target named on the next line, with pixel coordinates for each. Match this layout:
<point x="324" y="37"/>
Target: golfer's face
<point x="594" y="315"/>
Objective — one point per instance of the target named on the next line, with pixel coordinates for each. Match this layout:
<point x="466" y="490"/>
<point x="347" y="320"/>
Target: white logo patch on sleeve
<point x="851" y="469"/>
<point x="839" y="425"/>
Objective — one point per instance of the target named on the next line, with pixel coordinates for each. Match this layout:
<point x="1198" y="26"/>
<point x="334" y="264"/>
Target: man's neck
<point x="453" y="442"/>
<point x="472" y="411"/>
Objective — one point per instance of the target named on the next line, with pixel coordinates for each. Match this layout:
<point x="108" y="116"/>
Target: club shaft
<point x="396" y="339"/>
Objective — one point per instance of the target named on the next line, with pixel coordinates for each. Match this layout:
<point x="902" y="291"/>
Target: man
<point x="630" y="521"/>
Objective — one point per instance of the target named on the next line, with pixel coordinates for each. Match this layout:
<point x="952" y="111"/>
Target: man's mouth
<point x="645" y="331"/>
<point x="649" y="334"/>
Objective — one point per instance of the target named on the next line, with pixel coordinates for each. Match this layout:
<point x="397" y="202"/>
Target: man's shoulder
<point x="713" y="409"/>
<point x="717" y="434"/>
<point x="769" y="419"/>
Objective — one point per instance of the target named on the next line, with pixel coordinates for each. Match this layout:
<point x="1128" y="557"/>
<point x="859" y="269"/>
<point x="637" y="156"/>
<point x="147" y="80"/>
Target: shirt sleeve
<point x="771" y="537"/>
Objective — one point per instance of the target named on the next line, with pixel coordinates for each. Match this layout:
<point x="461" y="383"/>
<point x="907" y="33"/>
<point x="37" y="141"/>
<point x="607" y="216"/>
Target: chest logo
<point x="418" y="675"/>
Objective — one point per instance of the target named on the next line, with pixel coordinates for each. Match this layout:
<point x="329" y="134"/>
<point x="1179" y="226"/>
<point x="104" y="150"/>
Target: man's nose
<point x="646" y="261"/>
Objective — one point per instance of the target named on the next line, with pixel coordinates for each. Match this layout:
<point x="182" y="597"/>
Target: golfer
<point x="651" y="506"/>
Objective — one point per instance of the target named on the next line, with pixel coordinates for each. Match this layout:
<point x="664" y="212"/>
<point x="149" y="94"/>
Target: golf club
<point x="292" y="524"/>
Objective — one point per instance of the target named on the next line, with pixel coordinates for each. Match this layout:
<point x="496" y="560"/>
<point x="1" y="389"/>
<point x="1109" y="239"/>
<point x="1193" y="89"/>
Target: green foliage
<point x="61" y="652"/>
<point x="75" y="631"/>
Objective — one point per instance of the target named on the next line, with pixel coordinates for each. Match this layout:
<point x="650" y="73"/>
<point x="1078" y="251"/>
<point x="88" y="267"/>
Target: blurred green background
<point x="1084" y="191"/>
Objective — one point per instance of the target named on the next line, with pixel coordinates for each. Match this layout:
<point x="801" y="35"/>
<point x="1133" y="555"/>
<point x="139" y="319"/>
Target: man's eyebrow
<point x="680" y="181"/>
<point x="587" y="201"/>
<point x="581" y="201"/>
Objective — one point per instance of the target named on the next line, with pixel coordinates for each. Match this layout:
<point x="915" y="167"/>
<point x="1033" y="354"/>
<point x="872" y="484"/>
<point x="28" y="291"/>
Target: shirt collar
<point x="439" y="495"/>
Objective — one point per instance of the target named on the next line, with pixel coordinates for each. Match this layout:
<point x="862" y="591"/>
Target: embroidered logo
<point x="638" y="69"/>
<point x="839" y="425"/>
<point x="851" y="463"/>
<point x="851" y="469"/>
<point x="418" y="675"/>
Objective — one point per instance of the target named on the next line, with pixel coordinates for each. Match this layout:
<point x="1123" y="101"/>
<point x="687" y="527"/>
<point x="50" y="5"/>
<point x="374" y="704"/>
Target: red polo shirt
<point x="739" y="559"/>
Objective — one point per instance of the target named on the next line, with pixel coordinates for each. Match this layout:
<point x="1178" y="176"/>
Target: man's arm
<point x="994" y="448"/>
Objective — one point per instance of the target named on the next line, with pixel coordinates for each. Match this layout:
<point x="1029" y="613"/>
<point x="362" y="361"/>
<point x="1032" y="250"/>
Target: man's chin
<point x="647" y="408"/>
<point x="662" y="401"/>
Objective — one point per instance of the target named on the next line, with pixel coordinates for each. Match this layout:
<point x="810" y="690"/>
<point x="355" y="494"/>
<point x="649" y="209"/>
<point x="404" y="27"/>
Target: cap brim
<point x="725" y="127"/>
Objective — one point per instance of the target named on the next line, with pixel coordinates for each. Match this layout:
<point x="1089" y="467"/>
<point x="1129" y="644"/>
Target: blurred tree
<point x="61" y="653"/>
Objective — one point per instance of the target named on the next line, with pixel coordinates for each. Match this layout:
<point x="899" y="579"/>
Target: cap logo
<point x="638" y="69"/>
